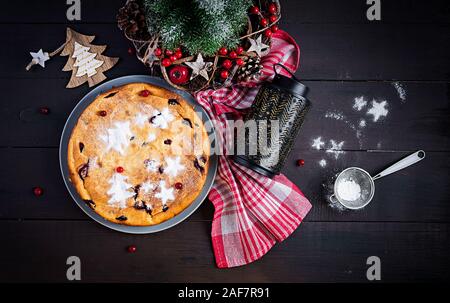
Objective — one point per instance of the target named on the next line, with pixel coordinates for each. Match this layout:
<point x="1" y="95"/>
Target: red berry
<point x="130" y="51"/>
<point x="173" y="58"/>
<point x="102" y="113"/>
<point x="169" y="52"/>
<point x="223" y="51"/>
<point x="227" y="64"/>
<point x="300" y="162"/>
<point x="166" y="62"/>
<point x="44" y="110"/>
<point x="263" y="22"/>
<point x="224" y="74"/>
<point x="239" y="50"/>
<point x="268" y="33"/>
<point x="274" y="28"/>
<point x="131" y="249"/>
<point x="273" y="18"/>
<point x="178" y="185"/>
<point x="144" y="93"/>
<point x="179" y="54"/>
<point x="38" y="191"/>
<point x="272" y="8"/>
<point x="158" y="52"/>
<point x="240" y="62"/>
<point x="254" y="10"/>
<point x="233" y="55"/>
<point x="119" y="169"/>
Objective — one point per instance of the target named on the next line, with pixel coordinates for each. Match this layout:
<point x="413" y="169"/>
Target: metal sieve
<point x="366" y="182"/>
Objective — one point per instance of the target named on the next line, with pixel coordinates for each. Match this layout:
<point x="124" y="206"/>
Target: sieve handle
<point x="403" y="163"/>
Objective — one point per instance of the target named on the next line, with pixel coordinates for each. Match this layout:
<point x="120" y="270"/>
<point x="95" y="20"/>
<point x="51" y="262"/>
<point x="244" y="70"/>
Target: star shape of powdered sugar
<point x="119" y="191"/>
<point x="162" y="118"/>
<point x="140" y="119"/>
<point x="378" y="110"/>
<point x="118" y="137"/>
<point x="318" y="143"/>
<point x="257" y="46"/>
<point x="165" y="194"/>
<point x="336" y="148"/>
<point x="147" y="187"/>
<point x="173" y="166"/>
<point x="40" y="57"/>
<point x="199" y="67"/>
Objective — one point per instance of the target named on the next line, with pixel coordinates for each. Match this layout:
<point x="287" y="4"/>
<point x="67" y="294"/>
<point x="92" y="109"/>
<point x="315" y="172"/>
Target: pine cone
<point x="131" y="19"/>
<point x="251" y="70"/>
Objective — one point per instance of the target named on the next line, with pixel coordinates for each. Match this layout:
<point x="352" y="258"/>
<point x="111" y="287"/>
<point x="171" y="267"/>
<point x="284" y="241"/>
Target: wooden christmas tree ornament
<point x="85" y="59"/>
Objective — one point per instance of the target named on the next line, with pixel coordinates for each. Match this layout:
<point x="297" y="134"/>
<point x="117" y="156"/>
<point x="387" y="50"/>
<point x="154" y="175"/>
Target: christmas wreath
<point x="201" y="43"/>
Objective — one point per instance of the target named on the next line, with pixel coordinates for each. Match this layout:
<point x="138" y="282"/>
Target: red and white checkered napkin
<point x="252" y="212"/>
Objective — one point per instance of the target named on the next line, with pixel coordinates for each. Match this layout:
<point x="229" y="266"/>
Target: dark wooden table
<point x="343" y="56"/>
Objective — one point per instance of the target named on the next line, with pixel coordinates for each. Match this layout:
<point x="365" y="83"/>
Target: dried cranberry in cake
<point x="152" y="119"/>
<point x="102" y="113"/>
<point x="167" y="141"/>
<point x="173" y="102"/>
<point x="136" y="191"/>
<point x="81" y="146"/>
<point x="110" y="95"/>
<point x="139" y="205"/>
<point x="83" y="171"/>
<point x="120" y="169"/>
<point x="122" y="218"/>
<point x="198" y="166"/>
<point x="144" y="93"/>
<point x="179" y="185"/>
<point x="161" y="169"/>
<point x="187" y="122"/>
<point x="165" y="208"/>
<point x="90" y="203"/>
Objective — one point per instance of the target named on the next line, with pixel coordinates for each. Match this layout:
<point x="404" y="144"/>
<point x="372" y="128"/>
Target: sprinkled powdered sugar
<point x="165" y="194"/>
<point x="359" y="103"/>
<point x="378" y="110"/>
<point x="335" y="149"/>
<point x="119" y="191"/>
<point x="362" y="123"/>
<point x="400" y="91"/>
<point x="348" y="190"/>
<point x="323" y="163"/>
<point x="318" y="143"/>
<point x="118" y="137"/>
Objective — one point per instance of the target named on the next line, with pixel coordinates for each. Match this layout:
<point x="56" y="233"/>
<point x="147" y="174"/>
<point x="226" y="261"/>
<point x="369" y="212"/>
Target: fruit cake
<point x="138" y="154"/>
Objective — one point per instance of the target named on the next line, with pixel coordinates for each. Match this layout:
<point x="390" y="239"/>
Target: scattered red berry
<point x="223" y="51"/>
<point x="102" y="113"/>
<point x="119" y="169"/>
<point x="44" y="110"/>
<point x="179" y="54"/>
<point x="224" y="74"/>
<point x="178" y="185"/>
<point x="272" y="8"/>
<point x="130" y="51"/>
<point x="233" y="55"/>
<point x="166" y="62"/>
<point x="254" y="10"/>
<point x="263" y="22"/>
<point x="274" y="28"/>
<point x="227" y="64"/>
<point x="268" y="33"/>
<point x="240" y="62"/>
<point x="169" y="52"/>
<point x="239" y="50"/>
<point x="38" y="191"/>
<point x="173" y="58"/>
<point x="144" y="93"/>
<point x="300" y="162"/>
<point x="131" y="249"/>
<point x="273" y="18"/>
<point x="158" y="52"/>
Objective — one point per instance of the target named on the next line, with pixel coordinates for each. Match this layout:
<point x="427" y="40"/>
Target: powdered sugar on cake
<point x="147" y="187"/>
<point x="162" y="118"/>
<point x="173" y="166"/>
<point x="165" y="194"/>
<point x="119" y="191"/>
<point x="118" y="137"/>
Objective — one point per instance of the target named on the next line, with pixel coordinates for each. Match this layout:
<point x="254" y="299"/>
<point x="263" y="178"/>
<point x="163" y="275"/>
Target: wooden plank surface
<point x="322" y="251"/>
<point x="343" y="56"/>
